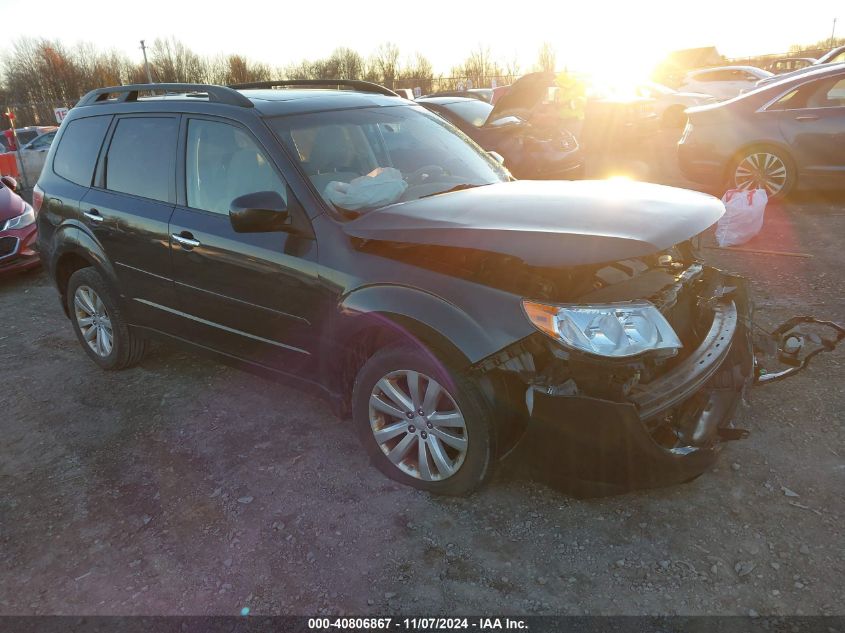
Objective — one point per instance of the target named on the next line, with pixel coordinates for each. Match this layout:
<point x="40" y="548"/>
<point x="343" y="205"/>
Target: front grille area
<point x="679" y="304"/>
<point x="8" y="245"/>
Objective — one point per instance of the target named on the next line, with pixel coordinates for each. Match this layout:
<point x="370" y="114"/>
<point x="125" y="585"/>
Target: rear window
<point x="25" y="137"/>
<point x="724" y="74"/>
<point x="474" y="112"/>
<point x="78" y="149"/>
<point x="142" y="157"/>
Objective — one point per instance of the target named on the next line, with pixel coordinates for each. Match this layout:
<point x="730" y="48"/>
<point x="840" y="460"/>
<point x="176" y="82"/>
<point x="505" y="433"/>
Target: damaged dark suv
<point x="357" y="242"/>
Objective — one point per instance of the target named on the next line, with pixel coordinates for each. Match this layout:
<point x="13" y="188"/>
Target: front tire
<point x="99" y="323"/>
<point x="422" y="423"/>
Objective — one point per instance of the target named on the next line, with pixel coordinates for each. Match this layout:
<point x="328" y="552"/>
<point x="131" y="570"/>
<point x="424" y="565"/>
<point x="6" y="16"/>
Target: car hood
<point x="548" y="223"/>
<point x="523" y="94"/>
<point x="11" y="204"/>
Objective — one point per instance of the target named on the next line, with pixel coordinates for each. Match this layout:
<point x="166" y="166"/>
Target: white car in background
<point x="32" y="156"/>
<point x="669" y="104"/>
<point x="25" y="135"/>
<point x="724" y="82"/>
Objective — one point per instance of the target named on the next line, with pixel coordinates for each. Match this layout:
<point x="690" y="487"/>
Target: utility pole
<point x="832" y="33"/>
<point x="146" y="63"/>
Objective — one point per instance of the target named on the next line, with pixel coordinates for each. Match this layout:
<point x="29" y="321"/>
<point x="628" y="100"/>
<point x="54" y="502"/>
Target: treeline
<point x="39" y="75"/>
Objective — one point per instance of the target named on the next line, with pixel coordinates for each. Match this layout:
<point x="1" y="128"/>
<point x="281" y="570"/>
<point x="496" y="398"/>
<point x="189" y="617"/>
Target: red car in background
<point x="17" y="230"/>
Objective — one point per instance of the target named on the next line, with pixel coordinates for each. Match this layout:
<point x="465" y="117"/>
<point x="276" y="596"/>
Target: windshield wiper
<point x="460" y="187"/>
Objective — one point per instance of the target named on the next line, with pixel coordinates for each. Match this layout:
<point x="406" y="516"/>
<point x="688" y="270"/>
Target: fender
<point x="364" y="307"/>
<point x="69" y="238"/>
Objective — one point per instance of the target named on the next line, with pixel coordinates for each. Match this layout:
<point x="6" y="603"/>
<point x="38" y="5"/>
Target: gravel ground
<point x="187" y="486"/>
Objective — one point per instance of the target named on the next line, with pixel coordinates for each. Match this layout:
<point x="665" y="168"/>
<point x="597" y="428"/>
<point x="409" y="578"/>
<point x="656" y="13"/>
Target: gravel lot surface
<point x="185" y="486"/>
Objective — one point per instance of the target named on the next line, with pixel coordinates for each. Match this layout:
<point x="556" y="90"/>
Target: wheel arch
<point x="376" y="316"/>
<point x="77" y="252"/>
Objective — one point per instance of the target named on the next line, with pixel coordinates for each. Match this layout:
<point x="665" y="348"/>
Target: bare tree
<point x="546" y="58"/>
<point x="479" y="67"/>
<point x="512" y="69"/>
<point x="417" y="72"/>
<point x="172" y="61"/>
<point x="236" y="69"/>
<point x="384" y="65"/>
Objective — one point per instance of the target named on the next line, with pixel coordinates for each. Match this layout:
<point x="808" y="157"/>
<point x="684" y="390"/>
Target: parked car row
<point x="785" y="134"/>
<point x="787" y="131"/>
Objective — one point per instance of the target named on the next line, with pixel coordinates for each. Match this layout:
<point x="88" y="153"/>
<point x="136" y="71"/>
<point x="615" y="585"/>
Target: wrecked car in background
<point x="528" y="153"/>
<point x="452" y="311"/>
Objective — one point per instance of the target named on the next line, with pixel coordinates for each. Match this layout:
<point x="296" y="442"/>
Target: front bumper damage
<point x="670" y="429"/>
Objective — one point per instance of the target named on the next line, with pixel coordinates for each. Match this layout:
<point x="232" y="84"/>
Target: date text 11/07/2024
<point x="417" y="624"/>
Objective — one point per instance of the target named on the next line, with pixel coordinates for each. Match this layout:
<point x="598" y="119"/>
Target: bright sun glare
<point x="602" y="71"/>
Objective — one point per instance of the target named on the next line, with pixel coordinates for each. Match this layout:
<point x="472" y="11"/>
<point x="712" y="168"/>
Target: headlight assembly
<point x="615" y="330"/>
<point x="21" y="221"/>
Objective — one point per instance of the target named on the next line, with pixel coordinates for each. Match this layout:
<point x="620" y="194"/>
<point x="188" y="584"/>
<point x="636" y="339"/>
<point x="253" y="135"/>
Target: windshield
<point x="473" y="111"/>
<point x="653" y="89"/>
<point x="367" y="158"/>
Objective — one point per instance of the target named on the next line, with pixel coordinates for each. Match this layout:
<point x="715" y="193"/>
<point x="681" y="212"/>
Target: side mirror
<point x="9" y="182"/>
<point x="260" y="212"/>
<point x="497" y="157"/>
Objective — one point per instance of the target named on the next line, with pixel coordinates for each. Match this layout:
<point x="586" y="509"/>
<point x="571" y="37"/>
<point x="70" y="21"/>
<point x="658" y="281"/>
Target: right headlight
<point x="21" y="221"/>
<point x="615" y="330"/>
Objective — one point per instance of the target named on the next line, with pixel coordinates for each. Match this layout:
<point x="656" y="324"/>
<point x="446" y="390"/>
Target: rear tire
<point x="99" y="323"/>
<point x="436" y="436"/>
<point x="763" y="167"/>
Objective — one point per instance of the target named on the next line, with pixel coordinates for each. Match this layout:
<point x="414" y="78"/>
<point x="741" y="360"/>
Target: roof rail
<point x="218" y="94"/>
<point x="355" y="84"/>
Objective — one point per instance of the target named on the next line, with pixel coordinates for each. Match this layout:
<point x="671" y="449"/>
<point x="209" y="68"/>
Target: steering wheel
<point x="424" y="174"/>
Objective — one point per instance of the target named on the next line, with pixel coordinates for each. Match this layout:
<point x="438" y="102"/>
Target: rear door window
<point x="141" y="158"/>
<point x="78" y="148"/>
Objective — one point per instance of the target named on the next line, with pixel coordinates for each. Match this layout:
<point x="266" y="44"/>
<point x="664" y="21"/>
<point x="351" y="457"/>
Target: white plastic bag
<point x="743" y="217"/>
<point x="383" y="185"/>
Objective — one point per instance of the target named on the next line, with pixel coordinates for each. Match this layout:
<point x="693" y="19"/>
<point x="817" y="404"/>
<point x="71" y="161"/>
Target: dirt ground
<point x="185" y="486"/>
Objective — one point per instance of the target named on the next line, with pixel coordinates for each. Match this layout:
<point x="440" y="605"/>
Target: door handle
<point x="185" y="240"/>
<point x="807" y="117"/>
<point x="94" y="216"/>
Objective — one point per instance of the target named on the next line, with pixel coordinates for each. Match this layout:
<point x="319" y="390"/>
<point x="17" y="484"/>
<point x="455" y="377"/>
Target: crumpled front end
<point x="665" y="431"/>
<point x="644" y="421"/>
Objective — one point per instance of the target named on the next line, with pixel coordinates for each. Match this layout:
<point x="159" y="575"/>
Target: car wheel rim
<point x="418" y="425"/>
<point x="761" y="170"/>
<point x="93" y="321"/>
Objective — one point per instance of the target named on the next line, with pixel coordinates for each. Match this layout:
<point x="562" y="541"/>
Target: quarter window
<point x="78" y="148"/>
<point x="142" y="157"/>
<point x="223" y="162"/>
<point x="42" y="141"/>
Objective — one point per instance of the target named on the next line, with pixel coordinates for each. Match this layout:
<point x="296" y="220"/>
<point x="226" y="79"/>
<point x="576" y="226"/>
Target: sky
<point x="592" y="35"/>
